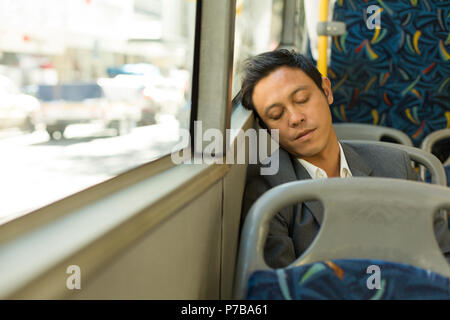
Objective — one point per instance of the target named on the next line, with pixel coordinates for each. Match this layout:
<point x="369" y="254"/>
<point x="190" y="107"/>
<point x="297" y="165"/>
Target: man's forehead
<point x="302" y="87"/>
<point x="282" y="82"/>
<point x="285" y="90"/>
<point x="288" y="71"/>
<point x="288" y="77"/>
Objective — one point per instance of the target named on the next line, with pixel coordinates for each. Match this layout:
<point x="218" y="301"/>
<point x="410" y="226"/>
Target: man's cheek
<point x="285" y="143"/>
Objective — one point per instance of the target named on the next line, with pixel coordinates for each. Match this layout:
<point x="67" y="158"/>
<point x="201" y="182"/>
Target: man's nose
<point x="296" y="118"/>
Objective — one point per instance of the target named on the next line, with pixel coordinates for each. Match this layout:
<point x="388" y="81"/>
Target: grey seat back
<point x="358" y="131"/>
<point x="432" y="138"/>
<point x="430" y="141"/>
<point x="430" y="161"/>
<point x="391" y="220"/>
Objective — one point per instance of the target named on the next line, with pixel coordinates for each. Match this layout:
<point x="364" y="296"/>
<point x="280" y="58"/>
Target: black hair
<point x="261" y="65"/>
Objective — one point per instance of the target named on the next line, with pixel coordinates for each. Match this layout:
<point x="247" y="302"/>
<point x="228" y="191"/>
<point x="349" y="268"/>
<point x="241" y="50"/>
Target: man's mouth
<point x="305" y="134"/>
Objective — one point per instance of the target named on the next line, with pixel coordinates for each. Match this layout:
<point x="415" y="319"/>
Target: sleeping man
<point x="287" y="92"/>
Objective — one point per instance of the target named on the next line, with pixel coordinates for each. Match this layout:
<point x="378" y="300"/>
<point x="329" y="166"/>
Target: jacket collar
<point x="357" y="165"/>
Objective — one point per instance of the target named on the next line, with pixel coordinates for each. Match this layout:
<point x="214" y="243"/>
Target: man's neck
<point x="328" y="159"/>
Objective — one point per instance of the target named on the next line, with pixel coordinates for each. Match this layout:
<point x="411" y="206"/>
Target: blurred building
<point x="51" y="41"/>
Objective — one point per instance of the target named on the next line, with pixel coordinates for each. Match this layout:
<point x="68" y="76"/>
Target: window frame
<point x="19" y="237"/>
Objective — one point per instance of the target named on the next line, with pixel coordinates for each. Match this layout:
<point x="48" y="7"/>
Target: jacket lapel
<point x="315" y="207"/>
<point x="357" y="166"/>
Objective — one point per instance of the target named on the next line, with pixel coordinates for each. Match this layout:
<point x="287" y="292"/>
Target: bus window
<point x="257" y="29"/>
<point x="88" y="90"/>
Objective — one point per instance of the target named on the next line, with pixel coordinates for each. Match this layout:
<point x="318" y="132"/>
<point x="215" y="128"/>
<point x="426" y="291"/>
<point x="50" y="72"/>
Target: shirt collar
<point x="318" y="173"/>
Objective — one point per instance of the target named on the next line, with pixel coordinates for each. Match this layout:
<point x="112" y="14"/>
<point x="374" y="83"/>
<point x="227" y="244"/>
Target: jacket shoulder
<point x="385" y="161"/>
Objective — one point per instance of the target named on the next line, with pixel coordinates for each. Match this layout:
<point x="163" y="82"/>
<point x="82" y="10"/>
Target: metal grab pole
<point x="323" y="40"/>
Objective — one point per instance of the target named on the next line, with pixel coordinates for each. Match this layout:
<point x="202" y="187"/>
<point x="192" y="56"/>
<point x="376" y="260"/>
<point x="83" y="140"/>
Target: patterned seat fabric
<point x="397" y="76"/>
<point x="348" y="279"/>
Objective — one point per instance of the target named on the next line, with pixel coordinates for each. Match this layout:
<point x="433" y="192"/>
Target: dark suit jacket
<point x="293" y="228"/>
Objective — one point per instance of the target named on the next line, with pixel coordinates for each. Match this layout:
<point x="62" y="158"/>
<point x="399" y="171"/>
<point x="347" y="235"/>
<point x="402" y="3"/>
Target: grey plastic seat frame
<point x="430" y="140"/>
<point x="393" y="221"/>
<point x="430" y="161"/>
<point x="360" y="131"/>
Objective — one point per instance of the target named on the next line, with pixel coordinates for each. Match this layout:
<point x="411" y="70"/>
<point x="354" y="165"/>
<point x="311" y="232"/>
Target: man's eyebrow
<point x="276" y="104"/>
<point x="299" y="88"/>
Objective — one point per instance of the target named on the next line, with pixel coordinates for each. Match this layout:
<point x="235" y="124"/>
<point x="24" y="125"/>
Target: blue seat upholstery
<point x="348" y="279"/>
<point x="397" y="76"/>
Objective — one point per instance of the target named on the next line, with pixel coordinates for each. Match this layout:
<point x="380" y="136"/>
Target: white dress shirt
<point x="319" y="173"/>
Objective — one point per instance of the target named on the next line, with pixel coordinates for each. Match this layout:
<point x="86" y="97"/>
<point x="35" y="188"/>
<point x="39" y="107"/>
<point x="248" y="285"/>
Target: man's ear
<point x="326" y="85"/>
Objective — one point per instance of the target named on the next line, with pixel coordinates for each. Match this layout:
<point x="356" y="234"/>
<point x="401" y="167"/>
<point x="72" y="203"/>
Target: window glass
<point x="258" y="28"/>
<point x="88" y="90"/>
<point x="312" y="13"/>
<point x="301" y="30"/>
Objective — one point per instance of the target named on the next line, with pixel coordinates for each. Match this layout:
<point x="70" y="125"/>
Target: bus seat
<point x="397" y="75"/>
<point x="430" y="141"/>
<point x="392" y="221"/>
<point x="349" y="279"/>
<point x="428" y="160"/>
<point x="361" y="131"/>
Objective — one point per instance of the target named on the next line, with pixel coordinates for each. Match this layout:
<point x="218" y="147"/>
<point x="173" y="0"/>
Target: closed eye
<point x="276" y="116"/>
<point x="301" y="101"/>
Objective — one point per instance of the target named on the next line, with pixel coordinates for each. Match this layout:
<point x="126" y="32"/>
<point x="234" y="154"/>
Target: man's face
<point x="289" y="100"/>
